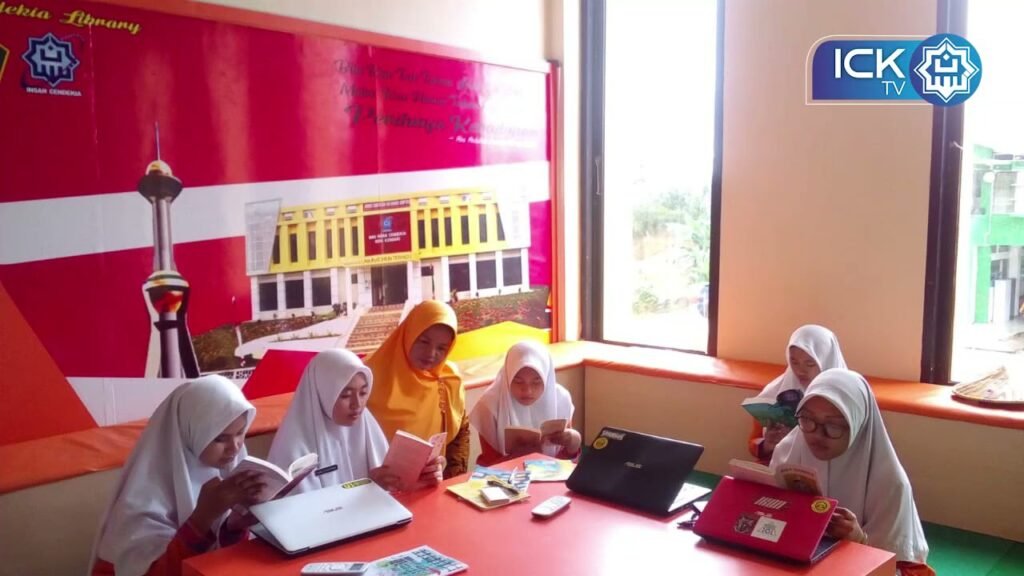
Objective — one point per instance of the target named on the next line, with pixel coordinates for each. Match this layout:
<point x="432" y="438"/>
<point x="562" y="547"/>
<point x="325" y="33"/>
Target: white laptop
<point x="302" y="522"/>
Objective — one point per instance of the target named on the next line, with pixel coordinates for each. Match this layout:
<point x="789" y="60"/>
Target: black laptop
<point x="638" y="470"/>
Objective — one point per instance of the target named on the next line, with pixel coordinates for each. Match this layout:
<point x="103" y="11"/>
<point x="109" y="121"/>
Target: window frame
<point x="943" y="220"/>
<point x="592" y="123"/>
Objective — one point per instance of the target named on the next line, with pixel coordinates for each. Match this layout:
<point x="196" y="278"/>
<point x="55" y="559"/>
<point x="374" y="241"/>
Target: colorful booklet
<point x="422" y="561"/>
<point x="549" y="470"/>
<point x="782" y="410"/>
<point x="520" y="479"/>
<point x="514" y="483"/>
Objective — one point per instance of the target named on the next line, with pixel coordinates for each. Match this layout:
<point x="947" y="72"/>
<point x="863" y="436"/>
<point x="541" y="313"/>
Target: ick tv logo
<point x="943" y="70"/>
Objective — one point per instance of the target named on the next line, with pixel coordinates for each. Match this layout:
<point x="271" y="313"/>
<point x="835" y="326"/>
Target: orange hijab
<point x="404" y="398"/>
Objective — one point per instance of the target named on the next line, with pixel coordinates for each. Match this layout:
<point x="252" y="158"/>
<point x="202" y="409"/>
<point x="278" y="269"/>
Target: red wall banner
<point x="288" y="163"/>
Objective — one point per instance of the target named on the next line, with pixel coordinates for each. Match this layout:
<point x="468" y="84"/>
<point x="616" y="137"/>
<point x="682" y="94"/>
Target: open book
<point x="767" y="412"/>
<point x="521" y="440"/>
<point x="278" y="482"/>
<point x="787" y="476"/>
<point x="408" y="454"/>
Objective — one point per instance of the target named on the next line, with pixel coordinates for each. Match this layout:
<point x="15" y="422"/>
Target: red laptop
<point x="768" y="519"/>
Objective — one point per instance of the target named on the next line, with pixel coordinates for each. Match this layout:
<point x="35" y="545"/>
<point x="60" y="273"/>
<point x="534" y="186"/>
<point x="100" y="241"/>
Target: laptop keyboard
<point x="688" y="493"/>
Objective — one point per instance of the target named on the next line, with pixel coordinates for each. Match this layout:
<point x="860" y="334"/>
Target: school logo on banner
<point x="943" y="70"/>
<point x="51" y="61"/>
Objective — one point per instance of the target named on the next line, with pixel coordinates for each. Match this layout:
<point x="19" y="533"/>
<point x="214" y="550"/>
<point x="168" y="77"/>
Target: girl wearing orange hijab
<point x="415" y="388"/>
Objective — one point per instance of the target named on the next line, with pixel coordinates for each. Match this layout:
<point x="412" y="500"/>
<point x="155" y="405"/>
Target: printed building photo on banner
<point x="182" y="197"/>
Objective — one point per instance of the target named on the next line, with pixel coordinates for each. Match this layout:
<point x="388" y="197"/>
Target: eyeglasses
<point x="831" y="430"/>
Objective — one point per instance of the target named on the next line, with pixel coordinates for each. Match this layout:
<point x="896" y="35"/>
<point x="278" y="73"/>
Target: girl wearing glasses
<point x="843" y="438"/>
<point x="812" y="349"/>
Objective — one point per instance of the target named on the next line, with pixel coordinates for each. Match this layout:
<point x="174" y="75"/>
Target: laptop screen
<point x="635" y="469"/>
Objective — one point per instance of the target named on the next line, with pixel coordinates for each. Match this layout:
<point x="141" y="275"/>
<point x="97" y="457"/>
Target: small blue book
<point x="768" y="413"/>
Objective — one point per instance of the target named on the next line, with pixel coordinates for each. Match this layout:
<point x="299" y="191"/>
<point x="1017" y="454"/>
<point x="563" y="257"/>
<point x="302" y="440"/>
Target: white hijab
<point x="161" y="480"/>
<point x="820" y="344"/>
<point x="309" y="425"/>
<point x="868" y="478"/>
<point x="497" y="409"/>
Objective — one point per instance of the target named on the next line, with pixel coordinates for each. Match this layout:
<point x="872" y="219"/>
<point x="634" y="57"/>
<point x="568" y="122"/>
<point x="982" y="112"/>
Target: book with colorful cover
<point x="781" y="410"/>
<point x="422" y="561"/>
<point x="549" y="470"/>
<point x="518" y="478"/>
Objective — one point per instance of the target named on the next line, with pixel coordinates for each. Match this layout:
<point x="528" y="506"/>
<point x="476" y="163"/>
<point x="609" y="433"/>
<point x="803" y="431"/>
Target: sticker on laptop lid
<point x="768" y="528"/>
<point x="613" y="434"/>
<point x="600" y="443"/>
<point x="820" y="505"/>
<point x="771" y="503"/>
<point x="744" y="524"/>
<point x="356" y="483"/>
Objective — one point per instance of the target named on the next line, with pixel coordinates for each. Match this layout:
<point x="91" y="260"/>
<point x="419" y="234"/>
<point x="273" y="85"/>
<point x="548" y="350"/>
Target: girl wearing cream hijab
<point x="812" y="349"/>
<point x="525" y="394"/>
<point x="328" y="416"/>
<point x="843" y="438"/>
<point x="416" y="389"/>
<point x="174" y="495"/>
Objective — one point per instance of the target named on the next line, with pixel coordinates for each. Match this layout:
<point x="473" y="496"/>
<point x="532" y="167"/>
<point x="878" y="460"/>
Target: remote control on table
<point x="335" y="568"/>
<point x="551" y="506"/>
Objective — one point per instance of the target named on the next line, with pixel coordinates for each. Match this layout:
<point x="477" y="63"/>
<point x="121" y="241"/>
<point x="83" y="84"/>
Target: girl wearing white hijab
<point x="173" y="499"/>
<point x="843" y="438"/>
<point x="524" y="394"/>
<point x="328" y="416"/>
<point x="812" y="349"/>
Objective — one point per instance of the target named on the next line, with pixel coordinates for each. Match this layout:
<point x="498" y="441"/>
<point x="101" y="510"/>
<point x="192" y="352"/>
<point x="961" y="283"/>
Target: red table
<point x="590" y="538"/>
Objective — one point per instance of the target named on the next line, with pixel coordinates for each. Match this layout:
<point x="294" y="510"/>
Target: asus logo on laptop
<point x="771" y="503"/>
<point x="613" y="435"/>
<point x="335" y="509"/>
<point x="634" y="465"/>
